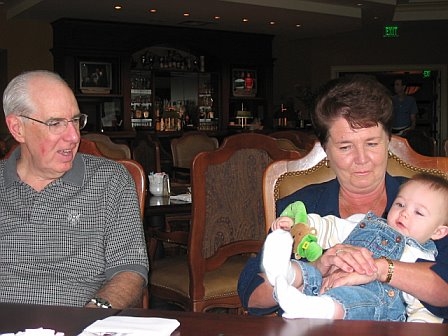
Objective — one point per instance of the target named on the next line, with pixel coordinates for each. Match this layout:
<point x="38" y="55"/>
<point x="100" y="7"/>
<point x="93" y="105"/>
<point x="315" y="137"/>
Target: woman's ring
<point x="339" y="251"/>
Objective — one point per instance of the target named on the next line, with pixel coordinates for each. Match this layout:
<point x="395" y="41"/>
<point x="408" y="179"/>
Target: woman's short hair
<point x="360" y="99"/>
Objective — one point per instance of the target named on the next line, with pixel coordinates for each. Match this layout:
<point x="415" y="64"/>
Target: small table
<point x="162" y="211"/>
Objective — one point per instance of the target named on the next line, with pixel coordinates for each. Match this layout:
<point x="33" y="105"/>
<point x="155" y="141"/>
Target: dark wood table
<point x="212" y="324"/>
<point x="71" y="321"/>
<point x="160" y="205"/>
<point x="164" y="212"/>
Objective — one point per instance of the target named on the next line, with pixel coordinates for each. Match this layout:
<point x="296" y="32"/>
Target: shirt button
<point x="384" y="242"/>
<point x="398" y="239"/>
<point x="362" y="225"/>
<point x="391" y="293"/>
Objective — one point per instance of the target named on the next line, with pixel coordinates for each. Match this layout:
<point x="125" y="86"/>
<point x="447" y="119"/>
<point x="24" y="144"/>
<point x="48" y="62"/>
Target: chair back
<point x="227" y="214"/>
<point x="108" y="148"/>
<point x="146" y="151"/>
<point x="284" y="177"/>
<point x="135" y="169"/>
<point x="185" y="148"/>
<point x="300" y="139"/>
<point x="138" y="175"/>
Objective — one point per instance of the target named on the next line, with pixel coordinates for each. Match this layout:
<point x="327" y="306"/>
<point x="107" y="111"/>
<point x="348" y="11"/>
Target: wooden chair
<point x="138" y="175"/>
<point x="287" y="144"/>
<point x="146" y="151"/>
<point x="108" y="148"/>
<point x="184" y="150"/>
<point x="300" y="139"/>
<point x="227" y="224"/>
<point x="284" y="177"/>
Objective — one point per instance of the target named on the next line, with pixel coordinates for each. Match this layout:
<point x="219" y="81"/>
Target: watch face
<point x="101" y="303"/>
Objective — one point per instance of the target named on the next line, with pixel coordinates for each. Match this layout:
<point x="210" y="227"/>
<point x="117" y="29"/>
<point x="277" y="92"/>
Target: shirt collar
<point x="74" y="176"/>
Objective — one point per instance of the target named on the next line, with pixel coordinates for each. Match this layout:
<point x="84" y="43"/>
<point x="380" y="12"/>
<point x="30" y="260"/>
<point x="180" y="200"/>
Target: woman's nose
<point x="360" y="155"/>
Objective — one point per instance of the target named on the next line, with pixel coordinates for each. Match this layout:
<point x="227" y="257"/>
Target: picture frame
<point x="244" y="82"/>
<point x="95" y="77"/>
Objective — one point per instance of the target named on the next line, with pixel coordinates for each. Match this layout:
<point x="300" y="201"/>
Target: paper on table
<point x="182" y="197"/>
<point x="129" y="325"/>
<point x="35" y="332"/>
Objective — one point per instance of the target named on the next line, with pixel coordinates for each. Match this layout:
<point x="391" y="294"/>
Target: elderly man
<point x="70" y="228"/>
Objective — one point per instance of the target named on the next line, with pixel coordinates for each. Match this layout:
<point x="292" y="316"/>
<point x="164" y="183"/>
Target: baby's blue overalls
<point x="375" y="300"/>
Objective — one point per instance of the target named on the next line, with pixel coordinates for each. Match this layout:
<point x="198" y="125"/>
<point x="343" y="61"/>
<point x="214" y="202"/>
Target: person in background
<point x="405" y="108"/>
<point x="412" y="224"/>
<point x="70" y="227"/>
<point x="352" y="120"/>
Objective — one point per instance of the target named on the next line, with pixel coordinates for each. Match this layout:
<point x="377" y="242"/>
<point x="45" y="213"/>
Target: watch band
<point x="99" y="302"/>
<point x="390" y="269"/>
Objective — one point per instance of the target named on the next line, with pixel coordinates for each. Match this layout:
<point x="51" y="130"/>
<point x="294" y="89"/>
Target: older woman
<point x="352" y="120"/>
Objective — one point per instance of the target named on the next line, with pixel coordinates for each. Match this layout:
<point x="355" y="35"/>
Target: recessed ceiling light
<point x="118" y="7"/>
<point x="272" y="22"/>
<point x="186" y="14"/>
<point x="153" y="10"/>
<point x="216" y="17"/>
<point x="245" y="20"/>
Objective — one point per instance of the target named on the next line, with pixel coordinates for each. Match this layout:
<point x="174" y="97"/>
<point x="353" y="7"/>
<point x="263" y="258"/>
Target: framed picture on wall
<point x="244" y="82"/>
<point x="95" y="77"/>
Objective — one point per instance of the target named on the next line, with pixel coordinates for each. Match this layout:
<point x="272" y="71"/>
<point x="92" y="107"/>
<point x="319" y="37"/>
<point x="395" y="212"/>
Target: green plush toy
<point x="305" y="240"/>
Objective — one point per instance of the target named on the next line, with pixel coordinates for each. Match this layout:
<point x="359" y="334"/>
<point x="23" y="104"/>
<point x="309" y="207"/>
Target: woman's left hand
<point x="347" y="258"/>
<point x="340" y="278"/>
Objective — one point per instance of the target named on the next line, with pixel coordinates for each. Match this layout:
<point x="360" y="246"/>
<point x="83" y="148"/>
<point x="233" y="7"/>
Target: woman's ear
<point x="15" y="126"/>
<point x="440" y="232"/>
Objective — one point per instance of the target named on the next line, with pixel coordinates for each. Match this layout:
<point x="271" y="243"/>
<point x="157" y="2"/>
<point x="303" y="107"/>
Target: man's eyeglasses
<point x="59" y="125"/>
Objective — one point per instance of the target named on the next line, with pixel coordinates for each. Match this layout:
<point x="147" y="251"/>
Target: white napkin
<point x="35" y="332"/>
<point x="182" y="197"/>
<point x="129" y="325"/>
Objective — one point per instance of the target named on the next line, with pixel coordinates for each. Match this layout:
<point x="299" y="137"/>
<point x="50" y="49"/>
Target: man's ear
<point x="440" y="232"/>
<point x="15" y="126"/>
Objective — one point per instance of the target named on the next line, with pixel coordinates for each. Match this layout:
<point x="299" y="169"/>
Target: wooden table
<point x="156" y="206"/>
<point x="163" y="212"/>
<point x="210" y="324"/>
<point x="71" y="321"/>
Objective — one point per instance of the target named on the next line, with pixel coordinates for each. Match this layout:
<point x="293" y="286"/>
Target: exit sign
<point x="390" y="31"/>
<point x="426" y="73"/>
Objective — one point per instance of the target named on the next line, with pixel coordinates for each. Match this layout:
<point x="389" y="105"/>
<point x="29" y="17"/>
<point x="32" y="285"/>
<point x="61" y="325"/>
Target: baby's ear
<point x="440" y="232"/>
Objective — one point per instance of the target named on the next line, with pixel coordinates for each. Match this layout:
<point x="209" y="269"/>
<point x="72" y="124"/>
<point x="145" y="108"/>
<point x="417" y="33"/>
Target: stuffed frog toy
<point x="305" y="240"/>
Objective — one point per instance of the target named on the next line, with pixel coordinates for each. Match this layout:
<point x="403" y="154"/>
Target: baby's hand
<point x="283" y="222"/>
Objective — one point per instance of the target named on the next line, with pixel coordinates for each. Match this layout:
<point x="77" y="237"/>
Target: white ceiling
<point x="317" y="18"/>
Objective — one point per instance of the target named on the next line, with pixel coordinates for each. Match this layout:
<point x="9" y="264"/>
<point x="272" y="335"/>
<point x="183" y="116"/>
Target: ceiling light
<point x="153" y="10"/>
<point x="186" y="14"/>
<point x="272" y="22"/>
<point x="298" y="25"/>
<point x="216" y="17"/>
<point x="118" y="7"/>
<point x="245" y="20"/>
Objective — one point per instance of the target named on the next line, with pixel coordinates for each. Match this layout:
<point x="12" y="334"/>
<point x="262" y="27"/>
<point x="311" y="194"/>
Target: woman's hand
<point x="347" y="258"/>
<point x="340" y="278"/>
